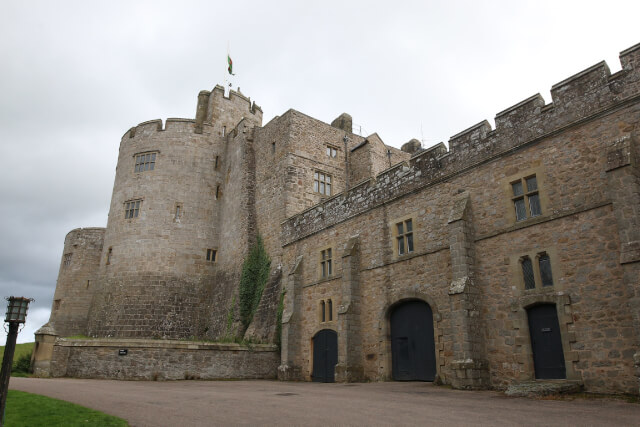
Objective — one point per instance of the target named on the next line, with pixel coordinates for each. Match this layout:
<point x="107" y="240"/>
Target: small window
<point x="109" y="252"/>
<point x="273" y="147"/>
<point x="56" y="305"/>
<point x="224" y="130"/>
<point x="536" y="271"/>
<point x="526" y="199"/>
<point x="404" y="237"/>
<point x="322" y="183"/>
<point x="218" y="195"/>
<point x="544" y="262"/>
<point x="145" y="162"/>
<point x="326" y="264"/>
<point x="211" y="255"/>
<point x="217" y="162"/>
<point x="331" y="151"/>
<point x="527" y="273"/>
<point x="326" y="311"/>
<point x="177" y="213"/>
<point x="132" y="208"/>
<point x="66" y="260"/>
<point x="88" y="283"/>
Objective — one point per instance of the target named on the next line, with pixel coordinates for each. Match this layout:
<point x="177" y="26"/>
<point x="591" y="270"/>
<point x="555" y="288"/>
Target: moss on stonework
<point x="255" y="273"/>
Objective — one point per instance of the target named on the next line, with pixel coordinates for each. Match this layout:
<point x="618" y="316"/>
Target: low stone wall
<point x="144" y="359"/>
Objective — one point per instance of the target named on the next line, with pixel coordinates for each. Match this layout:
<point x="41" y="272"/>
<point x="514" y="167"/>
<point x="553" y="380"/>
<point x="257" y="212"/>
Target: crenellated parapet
<point x="591" y="93"/>
<point x="215" y="108"/>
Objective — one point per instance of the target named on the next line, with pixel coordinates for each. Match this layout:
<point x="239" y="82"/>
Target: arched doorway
<point x="413" y="349"/>
<point x="546" y="342"/>
<point x="325" y="356"/>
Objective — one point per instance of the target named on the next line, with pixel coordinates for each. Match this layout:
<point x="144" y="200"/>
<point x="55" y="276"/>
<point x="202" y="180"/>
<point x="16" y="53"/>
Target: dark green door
<point x="325" y="356"/>
<point x="413" y="349"/>
<point x="546" y="343"/>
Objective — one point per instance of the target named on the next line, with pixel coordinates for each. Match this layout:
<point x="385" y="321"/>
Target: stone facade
<point x="542" y="211"/>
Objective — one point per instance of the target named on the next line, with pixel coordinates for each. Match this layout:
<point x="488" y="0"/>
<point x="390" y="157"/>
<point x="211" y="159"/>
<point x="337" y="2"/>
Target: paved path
<point x="206" y="403"/>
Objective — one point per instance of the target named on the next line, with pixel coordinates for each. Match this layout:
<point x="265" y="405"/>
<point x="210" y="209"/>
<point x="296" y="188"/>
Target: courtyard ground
<point x="206" y="403"/>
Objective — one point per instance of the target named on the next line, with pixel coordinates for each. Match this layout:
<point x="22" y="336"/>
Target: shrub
<point x="22" y="364"/>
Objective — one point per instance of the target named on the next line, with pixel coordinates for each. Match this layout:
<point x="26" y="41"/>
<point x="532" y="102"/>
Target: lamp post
<point x="16" y="314"/>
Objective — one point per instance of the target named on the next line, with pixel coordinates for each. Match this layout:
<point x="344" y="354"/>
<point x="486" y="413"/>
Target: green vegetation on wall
<point x="255" y="273"/>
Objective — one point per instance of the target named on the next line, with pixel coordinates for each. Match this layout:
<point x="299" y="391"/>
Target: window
<point x="404" y="236"/>
<point x="132" y="208"/>
<point x="178" y="212"/>
<point x="544" y="263"/>
<point x="326" y="311"/>
<point x="66" y="260"/>
<point x="273" y="147"/>
<point x="322" y="183"/>
<point x="217" y="162"/>
<point x="145" y="162"/>
<point x="224" y="130"/>
<point x="526" y="199"/>
<point x="56" y="305"/>
<point x="326" y="265"/>
<point x="218" y="195"/>
<point x="211" y="255"/>
<point x="527" y="273"/>
<point x="109" y="252"/>
<point x="536" y="274"/>
<point x="331" y="151"/>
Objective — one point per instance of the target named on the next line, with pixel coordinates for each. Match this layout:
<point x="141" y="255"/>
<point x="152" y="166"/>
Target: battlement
<point x="583" y="96"/>
<point x="172" y="125"/>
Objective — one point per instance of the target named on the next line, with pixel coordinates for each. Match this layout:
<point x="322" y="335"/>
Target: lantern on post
<point x="16" y="315"/>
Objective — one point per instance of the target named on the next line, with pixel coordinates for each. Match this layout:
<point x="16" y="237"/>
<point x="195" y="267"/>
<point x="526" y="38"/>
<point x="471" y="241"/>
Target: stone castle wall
<point x="155" y="279"/>
<point x="481" y="328"/>
<point x="162" y="360"/>
<point x="76" y="280"/>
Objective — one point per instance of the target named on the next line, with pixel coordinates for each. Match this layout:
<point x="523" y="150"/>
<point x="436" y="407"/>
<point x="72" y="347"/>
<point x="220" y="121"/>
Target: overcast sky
<point x="76" y="75"/>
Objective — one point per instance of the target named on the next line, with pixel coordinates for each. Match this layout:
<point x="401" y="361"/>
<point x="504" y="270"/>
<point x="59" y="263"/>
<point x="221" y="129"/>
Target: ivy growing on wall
<point x="255" y="273"/>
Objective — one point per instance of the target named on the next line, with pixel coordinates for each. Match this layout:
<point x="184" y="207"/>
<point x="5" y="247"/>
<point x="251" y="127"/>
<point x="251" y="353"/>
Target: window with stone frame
<point x="211" y="255"/>
<point x="404" y="236"/>
<point x="537" y="272"/>
<point x="526" y="198"/>
<point x="132" y="208"/>
<point x="67" y="260"/>
<point x="326" y="263"/>
<point x="331" y="151"/>
<point x="322" y="183"/>
<point x="145" y="162"/>
<point x="325" y="311"/>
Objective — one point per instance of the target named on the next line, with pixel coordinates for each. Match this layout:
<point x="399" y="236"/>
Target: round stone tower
<point x="161" y="256"/>
<point x="76" y="281"/>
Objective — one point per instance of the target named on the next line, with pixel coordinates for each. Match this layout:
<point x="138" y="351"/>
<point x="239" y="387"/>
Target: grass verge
<point x="21" y="349"/>
<point x="32" y="410"/>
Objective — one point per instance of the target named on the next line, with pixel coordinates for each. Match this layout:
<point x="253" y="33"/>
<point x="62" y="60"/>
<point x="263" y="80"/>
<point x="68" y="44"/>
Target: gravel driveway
<point x="206" y="403"/>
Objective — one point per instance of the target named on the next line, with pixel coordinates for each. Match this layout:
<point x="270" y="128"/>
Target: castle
<point x="511" y="256"/>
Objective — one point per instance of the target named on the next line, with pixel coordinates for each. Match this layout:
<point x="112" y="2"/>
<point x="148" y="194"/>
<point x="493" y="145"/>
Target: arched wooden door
<point x="325" y="356"/>
<point x="413" y="349"/>
<point x="546" y="342"/>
